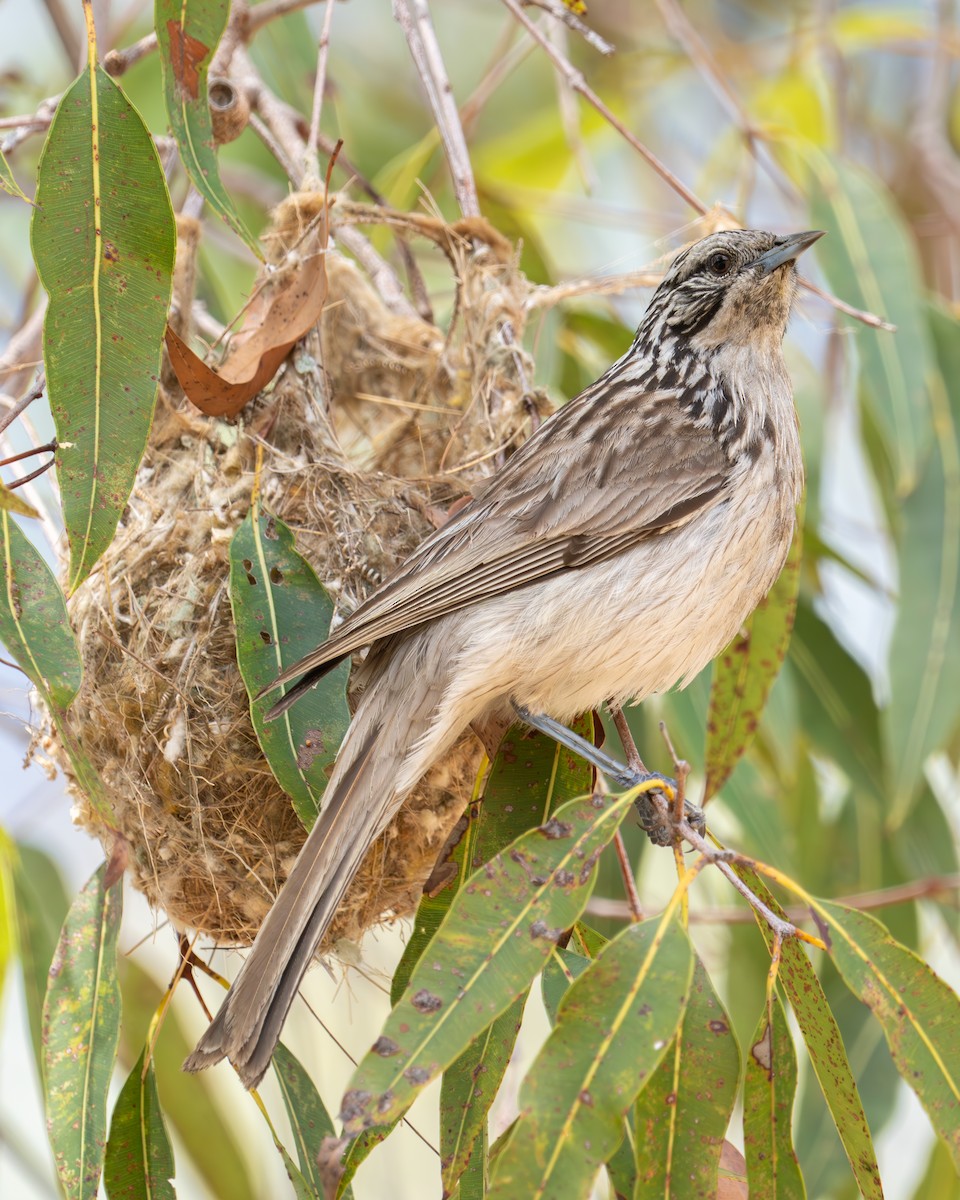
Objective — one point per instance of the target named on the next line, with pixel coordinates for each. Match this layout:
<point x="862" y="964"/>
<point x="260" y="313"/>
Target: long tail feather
<point x="384" y="752"/>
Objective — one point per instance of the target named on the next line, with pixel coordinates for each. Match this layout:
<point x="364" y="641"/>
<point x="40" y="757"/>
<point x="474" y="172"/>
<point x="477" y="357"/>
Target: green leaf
<point x="187" y="34"/>
<point x="770" y="1087"/>
<point x="34" y="624"/>
<point x="530" y="776"/>
<point x="41" y="903"/>
<point x="828" y="1056"/>
<point x="8" y="905"/>
<point x="309" y="1119"/>
<point x="104" y="241"/>
<point x="139" y="1160"/>
<point x="281" y="610"/>
<point x="7" y="181"/>
<point x="81" y="1030"/>
<point x="871" y="262"/>
<point x="613" y="1027"/>
<point x="919" y="1013"/>
<point x="500" y="930"/>
<point x="202" y="1122"/>
<point x="468" y="1089"/>
<point x="14" y="502"/>
<point x="837" y="709"/>
<point x="682" y="1114"/>
<point x="744" y="673"/>
<point x="924" y="706"/>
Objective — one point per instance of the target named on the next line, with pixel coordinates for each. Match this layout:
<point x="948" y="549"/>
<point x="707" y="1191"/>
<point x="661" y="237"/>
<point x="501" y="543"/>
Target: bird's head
<point x="732" y="288"/>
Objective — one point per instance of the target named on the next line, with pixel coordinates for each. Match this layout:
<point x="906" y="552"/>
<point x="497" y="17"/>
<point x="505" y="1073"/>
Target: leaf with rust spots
<point x="81" y="1031"/>
<point x="821" y="1035"/>
<point x="919" y="1012"/>
<point x="613" y="1027"/>
<point x="745" y="672"/>
<point x="482" y="958"/>
<point x="187" y="36"/>
<point x="310" y="1123"/>
<point x="683" y="1112"/>
<point x="770" y="1088"/>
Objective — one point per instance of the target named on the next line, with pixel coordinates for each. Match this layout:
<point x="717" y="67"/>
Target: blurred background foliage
<point x="839" y="116"/>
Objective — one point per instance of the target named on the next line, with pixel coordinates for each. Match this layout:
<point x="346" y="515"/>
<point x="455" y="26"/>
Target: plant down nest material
<point x="376" y="423"/>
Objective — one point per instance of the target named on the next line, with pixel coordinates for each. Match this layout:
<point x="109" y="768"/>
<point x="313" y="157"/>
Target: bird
<point x="614" y="554"/>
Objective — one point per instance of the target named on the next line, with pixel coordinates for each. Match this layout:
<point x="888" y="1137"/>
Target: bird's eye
<point x="719" y="263"/>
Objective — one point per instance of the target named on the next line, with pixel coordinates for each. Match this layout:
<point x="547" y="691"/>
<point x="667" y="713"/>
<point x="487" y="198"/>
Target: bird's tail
<point x="388" y="746"/>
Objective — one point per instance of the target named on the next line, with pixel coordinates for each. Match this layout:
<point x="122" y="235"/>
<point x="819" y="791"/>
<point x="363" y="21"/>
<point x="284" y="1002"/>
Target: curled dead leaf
<point x="279" y="315"/>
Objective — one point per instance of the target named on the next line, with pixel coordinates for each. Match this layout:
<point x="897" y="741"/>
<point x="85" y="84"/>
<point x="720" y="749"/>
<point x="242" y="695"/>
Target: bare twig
<point x="579" y="84"/>
<point x="71" y="38"/>
<point x="47" y="448"/>
<point x="116" y="62"/>
<point x="261" y="14"/>
<point x="311" y="165"/>
<point x="23" y="403"/>
<point x="625" y="734"/>
<point x="868" y="318"/>
<point x="562" y="13"/>
<point x="934" y="888"/>
<point x="629" y="880"/>
<point x="413" y="17"/>
<point x="569" y="113"/>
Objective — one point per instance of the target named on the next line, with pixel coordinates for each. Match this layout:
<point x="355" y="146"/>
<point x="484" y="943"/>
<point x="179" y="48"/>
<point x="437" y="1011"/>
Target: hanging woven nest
<point x="375" y="425"/>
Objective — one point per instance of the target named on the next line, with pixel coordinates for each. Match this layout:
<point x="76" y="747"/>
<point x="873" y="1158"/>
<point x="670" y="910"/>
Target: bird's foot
<point x="654" y="805"/>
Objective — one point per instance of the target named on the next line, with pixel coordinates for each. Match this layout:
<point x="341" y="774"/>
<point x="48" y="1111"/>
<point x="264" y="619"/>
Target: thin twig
<point x="579" y="84"/>
<point x="629" y="879"/>
<point x="116" y="62"/>
<point x="413" y="17"/>
<point x="260" y="14"/>
<point x="562" y="13"/>
<point x="625" y="734"/>
<point x="868" y="318"/>
<point x="48" y="448"/>
<point x="569" y="112"/>
<point x="23" y="403"/>
<point x="902" y="893"/>
<point x="311" y="165"/>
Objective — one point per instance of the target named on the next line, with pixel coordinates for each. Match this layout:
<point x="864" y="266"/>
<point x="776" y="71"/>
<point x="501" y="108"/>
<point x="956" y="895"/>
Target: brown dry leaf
<point x="733" y="1184"/>
<point x="277" y="318"/>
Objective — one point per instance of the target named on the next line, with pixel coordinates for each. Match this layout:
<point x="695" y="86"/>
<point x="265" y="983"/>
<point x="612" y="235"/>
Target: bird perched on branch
<point x="616" y="553"/>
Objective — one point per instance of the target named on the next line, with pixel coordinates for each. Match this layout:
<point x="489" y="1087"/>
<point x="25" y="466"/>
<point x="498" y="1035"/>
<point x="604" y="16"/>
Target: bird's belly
<point x="638" y="624"/>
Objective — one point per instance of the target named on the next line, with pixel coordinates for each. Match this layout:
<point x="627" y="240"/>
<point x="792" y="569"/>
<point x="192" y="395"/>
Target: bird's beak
<point x="786" y="250"/>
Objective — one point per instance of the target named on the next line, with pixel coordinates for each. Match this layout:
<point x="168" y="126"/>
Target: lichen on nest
<point x="379" y="422"/>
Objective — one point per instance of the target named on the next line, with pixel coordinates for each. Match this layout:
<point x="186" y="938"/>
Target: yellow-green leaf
<point x="81" y="1030"/>
<point x="613" y="1027"/>
<point x="139" y="1160"/>
<point x="770" y="1088"/>
<point x="919" y="1013"/>
<point x="13" y="502"/>
<point x="744" y="673"/>
<point x="501" y="928"/>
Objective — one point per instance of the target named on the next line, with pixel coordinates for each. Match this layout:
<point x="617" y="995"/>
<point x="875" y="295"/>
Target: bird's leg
<point x="659" y="829"/>
<point x="653" y="808"/>
<point x="625" y="776"/>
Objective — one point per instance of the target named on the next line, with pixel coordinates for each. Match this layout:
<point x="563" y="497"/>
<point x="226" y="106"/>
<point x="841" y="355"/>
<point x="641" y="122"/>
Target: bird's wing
<point x="562" y="502"/>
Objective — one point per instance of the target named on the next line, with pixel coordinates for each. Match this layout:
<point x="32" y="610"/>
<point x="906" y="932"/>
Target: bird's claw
<point x="658" y="820"/>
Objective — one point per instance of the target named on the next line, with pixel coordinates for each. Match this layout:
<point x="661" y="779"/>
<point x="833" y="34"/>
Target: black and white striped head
<point x="732" y="287"/>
